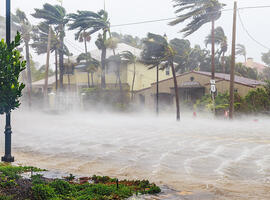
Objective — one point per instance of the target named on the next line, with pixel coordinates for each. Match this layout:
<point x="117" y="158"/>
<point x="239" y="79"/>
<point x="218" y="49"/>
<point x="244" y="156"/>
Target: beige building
<point x="254" y="65"/>
<point x="78" y="77"/>
<point x="192" y="86"/>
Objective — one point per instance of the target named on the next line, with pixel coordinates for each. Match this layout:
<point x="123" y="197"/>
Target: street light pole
<point x="7" y="157"/>
<point x="232" y="77"/>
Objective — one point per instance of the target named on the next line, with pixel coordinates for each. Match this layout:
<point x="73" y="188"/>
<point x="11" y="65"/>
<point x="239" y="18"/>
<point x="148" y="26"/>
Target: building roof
<point x="51" y="81"/>
<point x="120" y="48"/>
<point x="254" y="65"/>
<point x="226" y="77"/>
<point x="238" y="79"/>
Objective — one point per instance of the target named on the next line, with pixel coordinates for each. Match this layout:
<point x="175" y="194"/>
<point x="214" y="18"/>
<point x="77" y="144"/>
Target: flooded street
<point x="215" y="158"/>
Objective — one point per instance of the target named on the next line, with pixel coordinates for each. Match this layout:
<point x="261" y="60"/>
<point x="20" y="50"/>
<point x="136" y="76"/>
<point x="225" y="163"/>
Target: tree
<point x="220" y="40"/>
<point x="158" y="51"/>
<point x="200" y="13"/>
<point x="266" y="58"/>
<point x="91" y="65"/>
<point x="40" y="42"/>
<point x="131" y="59"/>
<point x="241" y="50"/>
<point x="56" y="16"/>
<point x="11" y="66"/>
<point x="129" y="40"/>
<point x="25" y="29"/>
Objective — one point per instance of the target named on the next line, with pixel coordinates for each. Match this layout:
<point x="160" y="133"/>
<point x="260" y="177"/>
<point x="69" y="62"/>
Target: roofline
<point x="196" y="72"/>
<point x="142" y="89"/>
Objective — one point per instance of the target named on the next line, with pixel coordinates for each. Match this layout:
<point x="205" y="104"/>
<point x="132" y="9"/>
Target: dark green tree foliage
<point x="11" y="66"/>
<point x="266" y="58"/>
<point x="55" y="15"/>
<point x="199" y="12"/>
<point x="129" y="40"/>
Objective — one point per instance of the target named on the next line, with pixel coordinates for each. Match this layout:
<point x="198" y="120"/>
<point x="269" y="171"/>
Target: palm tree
<point x="221" y="40"/>
<point x="40" y="42"/>
<point x="84" y="37"/>
<point x="131" y="59"/>
<point x="93" y="22"/>
<point x="241" y="50"/>
<point x="56" y="16"/>
<point x="200" y="13"/>
<point x="158" y="52"/>
<point x="25" y="28"/>
<point x="91" y="66"/>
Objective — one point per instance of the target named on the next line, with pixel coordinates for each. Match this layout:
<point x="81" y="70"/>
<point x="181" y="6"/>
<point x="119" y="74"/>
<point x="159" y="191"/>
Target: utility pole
<point x="8" y="157"/>
<point x="212" y="82"/>
<point x="231" y="111"/>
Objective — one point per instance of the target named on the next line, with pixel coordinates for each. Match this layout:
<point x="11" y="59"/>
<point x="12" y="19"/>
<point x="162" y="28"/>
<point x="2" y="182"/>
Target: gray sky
<point x="256" y="21"/>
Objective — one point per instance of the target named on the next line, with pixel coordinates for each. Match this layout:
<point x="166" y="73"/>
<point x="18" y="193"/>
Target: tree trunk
<point x="103" y="68"/>
<point x="56" y="69"/>
<point x="92" y="79"/>
<point x="223" y="62"/>
<point x="29" y="77"/>
<point x="133" y="82"/>
<point x="88" y="79"/>
<point x="85" y="42"/>
<point x="157" y="92"/>
<point x="47" y="65"/>
<point x="213" y="60"/>
<point x="176" y="92"/>
<point x="61" y="57"/>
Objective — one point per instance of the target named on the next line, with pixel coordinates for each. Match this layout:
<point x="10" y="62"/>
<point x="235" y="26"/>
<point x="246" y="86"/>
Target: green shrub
<point x="61" y="187"/>
<point x="37" y="179"/>
<point x="4" y="197"/>
<point x="154" y="190"/>
<point x="43" y="192"/>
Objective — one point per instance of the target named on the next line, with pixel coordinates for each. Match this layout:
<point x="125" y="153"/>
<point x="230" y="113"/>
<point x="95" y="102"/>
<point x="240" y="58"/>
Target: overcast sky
<point x="256" y="21"/>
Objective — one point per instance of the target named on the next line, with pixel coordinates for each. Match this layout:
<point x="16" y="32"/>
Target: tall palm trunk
<point x="176" y="92"/>
<point x="223" y="62"/>
<point x="88" y="79"/>
<point x="103" y="67"/>
<point x="103" y="61"/>
<point x="85" y="42"/>
<point x="29" y="77"/>
<point x="92" y="79"/>
<point x="157" y="92"/>
<point x="61" y="57"/>
<point x="47" y="65"/>
<point x="56" y="70"/>
<point x="133" y="82"/>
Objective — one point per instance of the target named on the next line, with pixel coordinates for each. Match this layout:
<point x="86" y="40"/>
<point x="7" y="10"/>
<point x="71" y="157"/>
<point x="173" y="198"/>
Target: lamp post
<point x="7" y="157"/>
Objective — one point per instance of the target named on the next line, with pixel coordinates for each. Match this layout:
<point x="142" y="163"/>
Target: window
<point x="168" y="71"/>
<point x="192" y="78"/>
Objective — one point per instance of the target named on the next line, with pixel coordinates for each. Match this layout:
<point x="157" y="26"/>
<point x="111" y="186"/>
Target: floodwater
<point x="216" y="158"/>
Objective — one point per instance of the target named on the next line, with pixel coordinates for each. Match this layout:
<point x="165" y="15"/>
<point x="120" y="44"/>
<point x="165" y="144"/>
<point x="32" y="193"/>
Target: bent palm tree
<point x="131" y="59"/>
<point x="56" y="16"/>
<point x="200" y="13"/>
<point x="91" y="66"/>
<point x="158" y="51"/>
<point x="93" y="22"/>
<point x="221" y="40"/>
<point x="241" y="50"/>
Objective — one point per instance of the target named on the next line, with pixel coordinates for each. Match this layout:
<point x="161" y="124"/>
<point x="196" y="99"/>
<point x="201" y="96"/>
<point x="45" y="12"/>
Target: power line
<point x="172" y="18"/>
<point x="245" y="29"/>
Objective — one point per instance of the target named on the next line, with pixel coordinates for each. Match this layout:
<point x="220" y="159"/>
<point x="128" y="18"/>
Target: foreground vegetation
<point x="14" y="186"/>
<point x="255" y="102"/>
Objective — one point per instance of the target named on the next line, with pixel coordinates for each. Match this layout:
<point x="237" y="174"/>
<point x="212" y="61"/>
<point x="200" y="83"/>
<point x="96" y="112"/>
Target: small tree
<point x="11" y="66"/>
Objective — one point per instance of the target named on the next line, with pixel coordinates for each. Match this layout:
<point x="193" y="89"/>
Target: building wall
<point x="165" y="86"/>
<point x="143" y="79"/>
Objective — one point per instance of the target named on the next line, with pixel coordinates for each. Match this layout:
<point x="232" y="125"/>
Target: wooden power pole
<point x="231" y="113"/>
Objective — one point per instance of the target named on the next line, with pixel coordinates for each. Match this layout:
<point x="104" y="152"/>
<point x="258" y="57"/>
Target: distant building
<point x="254" y="65"/>
<point x="192" y="86"/>
<point x="78" y="77"/>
